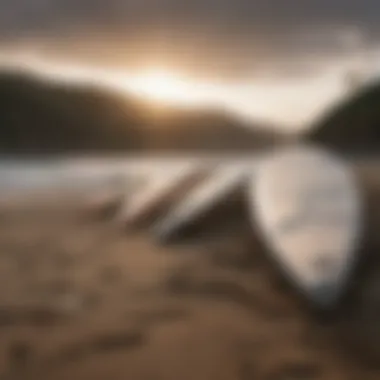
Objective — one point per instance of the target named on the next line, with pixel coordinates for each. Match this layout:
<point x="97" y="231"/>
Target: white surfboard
<point x="308" y="206"/>
<point x="221" y="184"/>
<point x="145" y="202"/>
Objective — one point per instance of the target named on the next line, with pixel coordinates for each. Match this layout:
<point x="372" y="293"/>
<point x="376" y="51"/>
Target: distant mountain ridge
<point x="352" y="126"/>
<point x="38" y="116"/>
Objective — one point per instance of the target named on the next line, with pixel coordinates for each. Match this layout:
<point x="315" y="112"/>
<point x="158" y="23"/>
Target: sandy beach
<point x="83" y="298"/>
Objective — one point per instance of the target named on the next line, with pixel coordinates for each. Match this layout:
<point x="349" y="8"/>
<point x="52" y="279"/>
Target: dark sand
<point x="81" y="298"/>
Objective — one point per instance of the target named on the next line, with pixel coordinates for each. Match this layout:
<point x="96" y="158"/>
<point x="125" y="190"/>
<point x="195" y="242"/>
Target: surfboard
<point x="223" y="181"/>
<point x="145" y="203"/>
<point x="308" y="206"/>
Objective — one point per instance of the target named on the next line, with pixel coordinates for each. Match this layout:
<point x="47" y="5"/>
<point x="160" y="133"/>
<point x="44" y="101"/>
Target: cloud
<point x="221" y="37"/>
<point x="20" y="16"/>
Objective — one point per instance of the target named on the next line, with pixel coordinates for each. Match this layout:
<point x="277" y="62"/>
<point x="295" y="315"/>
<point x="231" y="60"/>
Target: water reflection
<point x="80" y="174"/>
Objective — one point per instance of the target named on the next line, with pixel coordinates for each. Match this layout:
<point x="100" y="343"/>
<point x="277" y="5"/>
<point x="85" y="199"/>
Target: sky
<point x="283" y="61"/>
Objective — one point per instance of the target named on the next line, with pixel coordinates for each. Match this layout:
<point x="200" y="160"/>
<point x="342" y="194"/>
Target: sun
<point x="162" y="86"/>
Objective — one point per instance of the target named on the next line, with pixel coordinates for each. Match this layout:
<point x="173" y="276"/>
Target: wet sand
<point x="82" y="298"/>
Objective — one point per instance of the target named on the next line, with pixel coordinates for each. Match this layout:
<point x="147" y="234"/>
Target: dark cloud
<point x="21" y="16"/>
<point x="223" y="36"/>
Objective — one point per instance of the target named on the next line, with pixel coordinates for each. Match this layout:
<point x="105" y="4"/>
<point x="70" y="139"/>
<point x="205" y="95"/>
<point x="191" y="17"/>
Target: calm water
<point x="83" y="173"/>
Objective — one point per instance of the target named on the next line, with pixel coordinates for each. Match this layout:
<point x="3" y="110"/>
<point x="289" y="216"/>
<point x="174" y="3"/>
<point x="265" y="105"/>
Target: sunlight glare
<point x="163" y="86"/>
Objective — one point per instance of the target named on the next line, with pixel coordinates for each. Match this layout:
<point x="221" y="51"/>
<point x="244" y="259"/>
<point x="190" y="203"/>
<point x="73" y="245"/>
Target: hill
<point x="353" y="125"/>
<point x="39" y="116"/>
